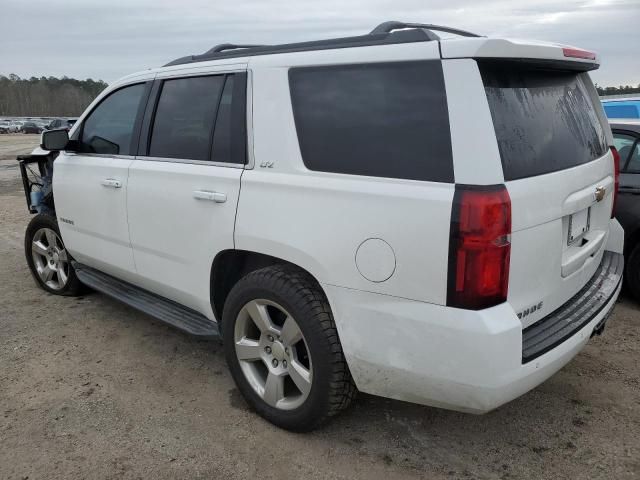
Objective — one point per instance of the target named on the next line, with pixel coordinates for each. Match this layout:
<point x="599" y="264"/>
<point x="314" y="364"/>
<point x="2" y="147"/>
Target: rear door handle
<point x="211" y="196"/>
<point x="111" y="183"/>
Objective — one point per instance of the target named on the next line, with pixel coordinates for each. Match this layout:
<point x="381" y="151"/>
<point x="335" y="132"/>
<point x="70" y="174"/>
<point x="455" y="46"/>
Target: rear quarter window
<point x="544" y="120"/>
<point x="381" y="120"/>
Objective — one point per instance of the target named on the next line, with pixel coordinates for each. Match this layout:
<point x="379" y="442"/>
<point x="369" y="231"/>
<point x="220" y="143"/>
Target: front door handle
<point x="111" y="183"/>
<point x="212" y="196"/>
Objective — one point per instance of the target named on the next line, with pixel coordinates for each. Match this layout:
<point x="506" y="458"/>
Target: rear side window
<point x="201" y="118"/>
<point x="109" y="128"/>
<point x="184" y="118"/>
<point x="382" y="120"/>
<point x="544" y="119"/>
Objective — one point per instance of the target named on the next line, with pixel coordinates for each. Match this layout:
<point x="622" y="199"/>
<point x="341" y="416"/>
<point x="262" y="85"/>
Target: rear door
<point x="90" y="185"/>
<point x="559" y="172"/>
<point x="184" y="184"/>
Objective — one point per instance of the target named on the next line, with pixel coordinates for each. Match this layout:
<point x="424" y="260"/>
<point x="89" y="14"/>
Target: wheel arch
<point x="229" y="266"/>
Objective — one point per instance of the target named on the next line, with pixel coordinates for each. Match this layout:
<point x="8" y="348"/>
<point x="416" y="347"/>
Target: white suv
<point x="422" y="219"/>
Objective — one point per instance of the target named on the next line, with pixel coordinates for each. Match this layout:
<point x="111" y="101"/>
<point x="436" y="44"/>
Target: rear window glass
<point x="381" y="120"/>
<point x="544" y="120"/>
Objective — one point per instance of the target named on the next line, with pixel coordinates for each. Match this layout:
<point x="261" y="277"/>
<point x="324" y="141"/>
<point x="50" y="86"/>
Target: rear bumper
<point x="457" y="359"/>
<point x="552" y="330"/>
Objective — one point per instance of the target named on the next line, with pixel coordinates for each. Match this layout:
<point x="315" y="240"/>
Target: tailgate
<point x="560" y="175"/>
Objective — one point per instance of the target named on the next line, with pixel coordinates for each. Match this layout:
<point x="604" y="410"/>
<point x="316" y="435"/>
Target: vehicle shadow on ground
<point x="562" y="419"/>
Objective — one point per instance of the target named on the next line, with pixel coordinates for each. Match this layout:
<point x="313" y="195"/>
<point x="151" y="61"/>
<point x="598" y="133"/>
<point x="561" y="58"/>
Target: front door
<point x="183" y="188"/>
<point x="90" y="185"/>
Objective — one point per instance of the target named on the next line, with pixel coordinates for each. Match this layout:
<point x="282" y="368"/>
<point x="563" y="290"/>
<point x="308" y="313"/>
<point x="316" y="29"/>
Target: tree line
<point x="621" y="90"/>
<point x="46" y="96"/>
<point x="68" y="97"/>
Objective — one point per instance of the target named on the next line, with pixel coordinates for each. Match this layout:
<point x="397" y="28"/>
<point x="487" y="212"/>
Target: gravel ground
<point x="90" y="388"/>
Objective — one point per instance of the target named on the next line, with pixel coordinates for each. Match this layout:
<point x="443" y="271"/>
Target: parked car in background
<point x="424" y="219"/>
<point x="16" y="126"/>
<point x="626" y="138"/>
<point x="30" y="127"/>
<point x="5" y="126"/>
<point x="65" y="123"/>
<point x="622" y="108"/>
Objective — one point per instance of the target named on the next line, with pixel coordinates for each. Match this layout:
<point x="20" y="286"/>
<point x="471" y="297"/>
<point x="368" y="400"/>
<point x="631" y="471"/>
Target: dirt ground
<point x="90" y="388"/>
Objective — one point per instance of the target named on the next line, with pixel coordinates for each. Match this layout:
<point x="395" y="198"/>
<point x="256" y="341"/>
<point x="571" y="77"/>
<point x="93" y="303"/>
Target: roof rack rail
<point x="388" y="27"/>
<point x="230" y="46"/>
<point x="383" y="34"/>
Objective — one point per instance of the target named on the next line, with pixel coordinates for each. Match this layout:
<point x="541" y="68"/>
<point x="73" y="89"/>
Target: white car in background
<point x="423" y="219"/>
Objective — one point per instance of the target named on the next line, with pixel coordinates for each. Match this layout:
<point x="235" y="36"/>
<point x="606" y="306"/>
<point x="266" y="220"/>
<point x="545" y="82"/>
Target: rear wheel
<point x="47" y="257"/>
<point x="632" y="272"/>
<point x="283" y="350"/>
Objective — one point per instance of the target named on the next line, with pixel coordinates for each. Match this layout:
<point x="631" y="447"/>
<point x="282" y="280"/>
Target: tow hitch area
<point x="37" y="173"/>
<point x="599" y="328"/>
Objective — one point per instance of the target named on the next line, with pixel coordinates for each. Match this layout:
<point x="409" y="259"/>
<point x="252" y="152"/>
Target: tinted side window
<point x="633" y="165"/>
<point x="624" y="145"/>
<point x="381" y="120"/>
<point x="184" y="118"/>
<point x="222" y="135"/>
<point x="109" y="128"/>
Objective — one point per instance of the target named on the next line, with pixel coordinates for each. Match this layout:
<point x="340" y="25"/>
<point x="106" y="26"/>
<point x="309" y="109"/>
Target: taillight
<point x="479" y="247"/>
<point x="616" y="177"/>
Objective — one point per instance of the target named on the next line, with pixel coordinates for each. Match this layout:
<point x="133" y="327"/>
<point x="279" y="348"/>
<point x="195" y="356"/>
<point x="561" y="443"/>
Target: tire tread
<point x="307" y="296"/>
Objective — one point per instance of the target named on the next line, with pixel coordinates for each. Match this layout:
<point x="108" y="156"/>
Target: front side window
<point x="109" y="128"/>
<point x="382" y="119"/>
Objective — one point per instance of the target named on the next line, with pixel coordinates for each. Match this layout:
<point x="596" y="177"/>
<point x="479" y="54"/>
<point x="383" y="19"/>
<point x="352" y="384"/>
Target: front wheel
<point x="283" y="350"/>
<point x="47" y="257"/>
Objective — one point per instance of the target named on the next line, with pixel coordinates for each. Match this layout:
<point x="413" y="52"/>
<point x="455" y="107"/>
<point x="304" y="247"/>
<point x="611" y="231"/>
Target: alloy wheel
<point x="50" y="258"/>
<point x="273" y="354"/>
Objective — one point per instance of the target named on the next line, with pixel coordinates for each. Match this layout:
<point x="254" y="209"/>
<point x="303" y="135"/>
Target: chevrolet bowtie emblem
<point x="600" y="193"/>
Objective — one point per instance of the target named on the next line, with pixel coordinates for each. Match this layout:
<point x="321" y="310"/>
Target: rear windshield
<point x="544" y="120"/>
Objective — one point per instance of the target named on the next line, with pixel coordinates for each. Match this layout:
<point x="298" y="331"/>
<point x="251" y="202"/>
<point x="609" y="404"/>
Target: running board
<point x="167" y="311"/>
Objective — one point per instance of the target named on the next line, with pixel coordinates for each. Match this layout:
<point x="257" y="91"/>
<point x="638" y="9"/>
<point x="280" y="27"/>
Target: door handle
<point x="111" y="182"/>
<point x="212" y="196"/>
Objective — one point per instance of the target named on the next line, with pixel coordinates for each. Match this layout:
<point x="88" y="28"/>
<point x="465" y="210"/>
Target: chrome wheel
<point x="50" y="258"/>
<point x="273" y="354"/>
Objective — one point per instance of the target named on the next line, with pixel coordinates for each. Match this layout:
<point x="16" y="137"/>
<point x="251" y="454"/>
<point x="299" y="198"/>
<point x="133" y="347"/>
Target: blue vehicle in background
<point x="622" y="107"/>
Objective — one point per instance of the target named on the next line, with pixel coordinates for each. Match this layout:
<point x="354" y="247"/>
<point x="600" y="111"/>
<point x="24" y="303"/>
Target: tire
<point x="276" y="295"/>
<point x="48" y="260"/>
<point x="632" y="272"/>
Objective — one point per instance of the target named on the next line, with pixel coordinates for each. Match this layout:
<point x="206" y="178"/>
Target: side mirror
<point x="54" y="139"/>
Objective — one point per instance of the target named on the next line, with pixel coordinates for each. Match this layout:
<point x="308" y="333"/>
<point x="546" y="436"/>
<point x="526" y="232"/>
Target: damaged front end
<point x="36" y="170"/>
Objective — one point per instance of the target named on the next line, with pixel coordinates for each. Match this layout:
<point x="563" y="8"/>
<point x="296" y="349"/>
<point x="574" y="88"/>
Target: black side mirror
<point x="55" y="139"/>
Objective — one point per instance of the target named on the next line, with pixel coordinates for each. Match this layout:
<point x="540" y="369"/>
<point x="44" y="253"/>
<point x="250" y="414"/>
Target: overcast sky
<point x="110" y="38"/>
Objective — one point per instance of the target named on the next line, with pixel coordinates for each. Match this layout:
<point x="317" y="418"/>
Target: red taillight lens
<point x="616" y="177"/>
<point x="479" y="247"/>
